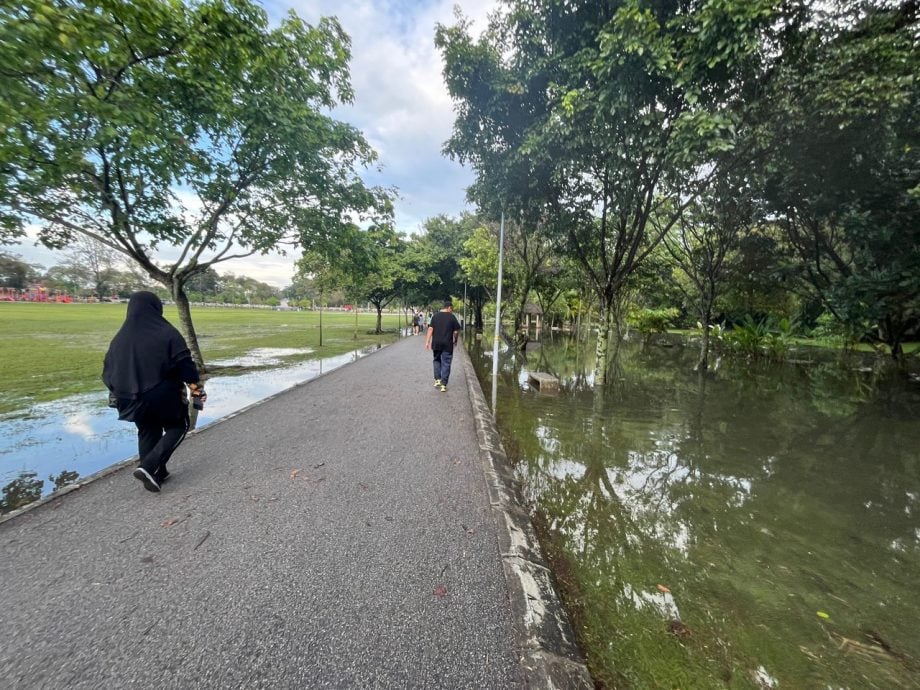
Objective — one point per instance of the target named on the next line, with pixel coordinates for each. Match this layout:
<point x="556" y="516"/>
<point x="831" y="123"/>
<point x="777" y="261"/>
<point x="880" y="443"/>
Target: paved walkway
<point x="343" y="534"/>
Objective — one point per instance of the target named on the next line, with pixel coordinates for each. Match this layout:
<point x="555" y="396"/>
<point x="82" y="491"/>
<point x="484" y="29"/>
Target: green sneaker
<point x="437" y="383"/>
<point x="442" y="388"/>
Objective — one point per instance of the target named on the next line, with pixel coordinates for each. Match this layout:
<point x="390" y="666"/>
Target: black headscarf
<point x="144" y="351"/>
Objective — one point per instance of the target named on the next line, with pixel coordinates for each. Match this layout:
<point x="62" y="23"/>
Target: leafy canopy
<point x="157" y="122"/>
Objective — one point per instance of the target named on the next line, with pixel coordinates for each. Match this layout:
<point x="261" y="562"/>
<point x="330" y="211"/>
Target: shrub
<point x="765" y="338"/>
<point x="649" y="321"/>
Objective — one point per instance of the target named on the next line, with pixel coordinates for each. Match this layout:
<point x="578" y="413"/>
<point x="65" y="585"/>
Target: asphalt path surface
<point x="337" y="535"/>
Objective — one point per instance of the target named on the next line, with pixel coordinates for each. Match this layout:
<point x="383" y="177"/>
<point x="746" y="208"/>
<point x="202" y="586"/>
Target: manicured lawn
<point x="49" y="351"/>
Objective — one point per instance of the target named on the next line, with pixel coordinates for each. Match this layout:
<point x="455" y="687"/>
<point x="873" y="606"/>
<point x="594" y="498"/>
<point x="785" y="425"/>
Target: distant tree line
<point x="89" y="271"/>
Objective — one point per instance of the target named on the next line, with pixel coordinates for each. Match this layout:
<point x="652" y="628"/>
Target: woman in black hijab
<point x="145" y="368"/>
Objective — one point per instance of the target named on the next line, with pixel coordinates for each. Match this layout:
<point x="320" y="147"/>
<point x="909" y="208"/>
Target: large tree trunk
<point x="605" y="313"/>
<point x="186" y="327"/>
<point x="379" y="329"/>
<point x="703" y="363"/>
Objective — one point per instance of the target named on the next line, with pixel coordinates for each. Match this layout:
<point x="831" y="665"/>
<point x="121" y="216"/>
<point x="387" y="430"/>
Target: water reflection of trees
<point x="26" y="488"/>
<point x="730" y="486"/>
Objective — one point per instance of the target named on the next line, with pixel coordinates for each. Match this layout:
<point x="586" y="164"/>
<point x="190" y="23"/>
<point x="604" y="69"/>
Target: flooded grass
<point x="52" y="351"/>
<point x="59" y="442"/>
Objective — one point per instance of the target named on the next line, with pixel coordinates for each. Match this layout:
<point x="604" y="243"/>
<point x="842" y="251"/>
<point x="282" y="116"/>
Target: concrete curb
<point x="550" y="656"/>
<point x="129" y="462"/>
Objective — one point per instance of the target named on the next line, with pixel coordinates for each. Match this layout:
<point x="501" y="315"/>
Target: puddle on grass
<point x="262" y="357"/>
<point x="82" y="434"/>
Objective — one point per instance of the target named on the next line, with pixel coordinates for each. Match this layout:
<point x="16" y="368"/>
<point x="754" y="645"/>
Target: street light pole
<point x="464" y="309"/>
<point x="498" y="313"/>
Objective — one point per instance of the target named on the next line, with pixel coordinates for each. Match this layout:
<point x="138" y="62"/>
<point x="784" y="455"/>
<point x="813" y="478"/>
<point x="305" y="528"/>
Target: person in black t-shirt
<point x="442" y="336"/>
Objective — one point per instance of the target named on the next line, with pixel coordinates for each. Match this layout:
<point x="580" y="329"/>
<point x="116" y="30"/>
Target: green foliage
<point x="16" y="273"/>
<point x="840" y="142"/>
<point x="480" y="259"/>
<point x="133" y="107"/>
<point x="590" y="119"/>
<point x="649" y="321"/>
<point x="829" y="327"/>
<point x="770" y="338"/>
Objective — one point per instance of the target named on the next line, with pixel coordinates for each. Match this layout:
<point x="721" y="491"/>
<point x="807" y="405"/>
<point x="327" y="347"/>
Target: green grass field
<point x="50" y="351"/>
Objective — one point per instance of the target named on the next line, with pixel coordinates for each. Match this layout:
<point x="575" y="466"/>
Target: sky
<point x="401" y="105"/>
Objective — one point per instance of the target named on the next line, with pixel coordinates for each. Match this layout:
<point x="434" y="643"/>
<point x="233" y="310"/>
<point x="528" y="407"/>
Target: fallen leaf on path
<point x="316" y="467"/>
<point x="169" y="522"/>
<point x="440" y="591"/>
<point x="665" y="590"/>
<point x="146" y="559"/>
<point x="294" y="474"/>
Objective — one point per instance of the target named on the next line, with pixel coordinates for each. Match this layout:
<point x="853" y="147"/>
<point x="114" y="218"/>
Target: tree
<point x="699" y="243"/>
<point x="204" y="285"/>
<point x="16" y="273"/>
<point x="97" y="260"/>
<point x="480" y="268"/>
<point x="384" y="268"/>
<point x="345" y="266"/>
<point x="442" y="246"/>
<point x="840" y="140"/>
<point x="528" y="250"/>
<point x="192" y="125"/>
<point x="69" y="278"/>
<point x="235" y="289"/>
<point x="599" y="116"/>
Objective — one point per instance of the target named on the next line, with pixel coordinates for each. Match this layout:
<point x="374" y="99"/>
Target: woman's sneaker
<point x="443" y="388"/>
<point x="437" y="383"/>
<point x="144" y="476"/>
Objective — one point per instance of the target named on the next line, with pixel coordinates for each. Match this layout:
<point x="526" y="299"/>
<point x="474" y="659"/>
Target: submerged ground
<point x="757" y="527"/>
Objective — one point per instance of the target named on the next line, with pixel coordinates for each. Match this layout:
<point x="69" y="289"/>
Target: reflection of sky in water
<point x="263" y="356"/>
<point x="81" y="433"/>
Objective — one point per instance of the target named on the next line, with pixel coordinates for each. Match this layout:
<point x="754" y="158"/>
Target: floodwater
<point x="757" y="527"/>
<point x="51" y="441"/>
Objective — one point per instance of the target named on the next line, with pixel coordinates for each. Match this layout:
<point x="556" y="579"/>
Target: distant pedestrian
<point x="147" y="363"/>
<point x="443" y="329"/>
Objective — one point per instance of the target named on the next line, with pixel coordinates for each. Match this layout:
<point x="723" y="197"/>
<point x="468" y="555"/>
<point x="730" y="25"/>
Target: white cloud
<point x="401" y="102"/>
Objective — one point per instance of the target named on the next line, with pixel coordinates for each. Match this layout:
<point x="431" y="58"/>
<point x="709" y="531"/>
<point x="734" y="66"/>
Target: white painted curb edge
<point x="549" y="653"/>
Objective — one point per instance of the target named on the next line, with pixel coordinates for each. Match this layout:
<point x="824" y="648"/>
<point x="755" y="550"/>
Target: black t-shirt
<point x="444" y="324"/>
